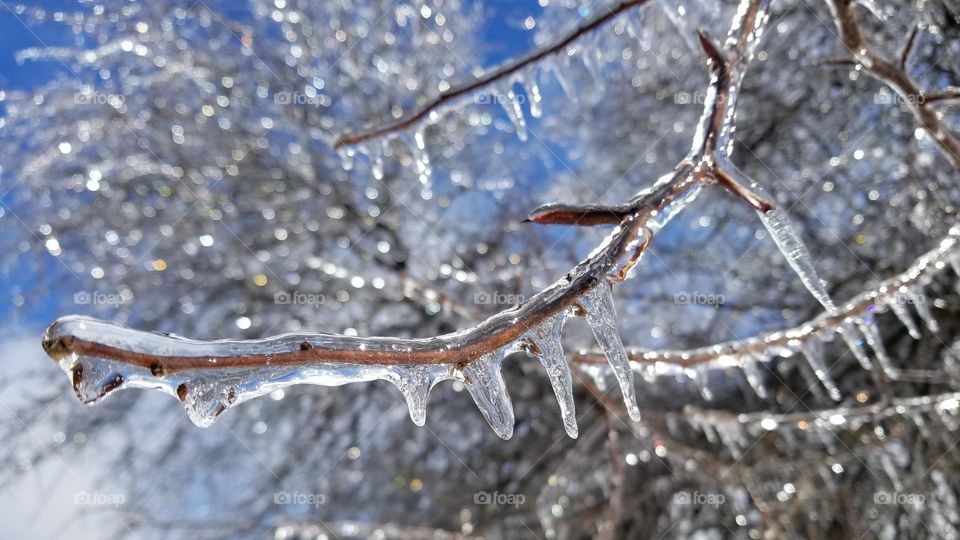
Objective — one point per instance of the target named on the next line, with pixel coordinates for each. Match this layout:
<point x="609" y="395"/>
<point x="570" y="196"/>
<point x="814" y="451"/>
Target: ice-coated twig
<point x="904" y="289"/>
<point x="491" y="77"/>
<point x="836" y="418"/>
<point x="211" y="376"/>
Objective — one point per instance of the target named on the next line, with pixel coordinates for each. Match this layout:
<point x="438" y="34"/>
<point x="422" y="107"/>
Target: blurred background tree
<point x="175" y="172"/>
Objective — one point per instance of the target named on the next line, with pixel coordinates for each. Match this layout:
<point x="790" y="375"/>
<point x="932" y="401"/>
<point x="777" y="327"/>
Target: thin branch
<point x="580" y="215"/>
<point x="892" y="74"/>
<point x="943" y="95"/>
<point x="502" y="72"/>
<point x="836" y="417"/>
<point x="927" y="265"/>
<point x="908" y="48"/>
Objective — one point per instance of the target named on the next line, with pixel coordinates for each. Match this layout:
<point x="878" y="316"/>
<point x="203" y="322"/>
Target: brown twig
<point x="908" y="48"/>
<point x="894" y="75"/>
<point x="501" y="72"/>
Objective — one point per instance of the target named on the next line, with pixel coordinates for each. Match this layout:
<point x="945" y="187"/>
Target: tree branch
<point x="487" y="79"/>
<point x="893" y="74"/>
<point x="735" y="352"/>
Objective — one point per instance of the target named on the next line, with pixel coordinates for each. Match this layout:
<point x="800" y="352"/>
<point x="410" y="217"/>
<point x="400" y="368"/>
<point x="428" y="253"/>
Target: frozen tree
<point x="342" y="193"/>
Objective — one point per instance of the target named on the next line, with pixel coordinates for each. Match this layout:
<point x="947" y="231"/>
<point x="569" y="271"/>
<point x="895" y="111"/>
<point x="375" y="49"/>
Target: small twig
<point x="943" y="95"/>
<point x="500" y="73"/>
<point x="838" y="62"/>
<point x="908" y="48"/>
<point x="584" y="216"/>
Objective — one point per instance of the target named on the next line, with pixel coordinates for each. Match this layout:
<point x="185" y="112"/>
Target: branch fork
<point x="209" y="376"/>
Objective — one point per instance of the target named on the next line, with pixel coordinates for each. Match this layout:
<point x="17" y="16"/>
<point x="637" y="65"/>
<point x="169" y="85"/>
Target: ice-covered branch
<point x="839" y="417"/>
<point x="505" y="71"/>
<point x="853" y="322"/>
<point x="739" y="432"/>
<point x="210" y="376"/>
<point x="893" y="73"/>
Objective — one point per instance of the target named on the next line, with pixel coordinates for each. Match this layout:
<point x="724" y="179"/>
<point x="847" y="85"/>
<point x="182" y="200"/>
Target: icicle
<point x="602" y="317"/>
<point x="93" y="378"/>
<point x="415" y="383"/>
<point x="903" y="314"/>
<point x="812" y="381"/>
<point x="680" y="19"/>
<point x="705" y="426"/>
<point x="876" y="343"/>
<point x="206" y="400"/>
<point x="633" y="25"/>
<point x="700" y="376"/>
<point x="511" y="105"/>
<point x="852" y="338"/>
<point x="592" y="60"/>
<point x="568" y="90"/>
<point x="813" y="350"/>
<point x="346" y="157"/>
<point x="753" y="369"/>
<point x="921" y="303"/>
<point x="917" y="419"/>
<point x="533" y="92"/>
<point x="484" y="381"/>
<point x="785" y="236"/>
<point x="699" y="422"/>
<point x="546" y="338"/>
<point x="732" y="437"/>
<point x="891" y="470"/>
<point x="421" y="159"/>
<point x="376" y="164"/>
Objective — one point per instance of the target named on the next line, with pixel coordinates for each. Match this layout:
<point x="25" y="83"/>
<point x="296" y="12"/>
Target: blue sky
<point x="503" y="35"/>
